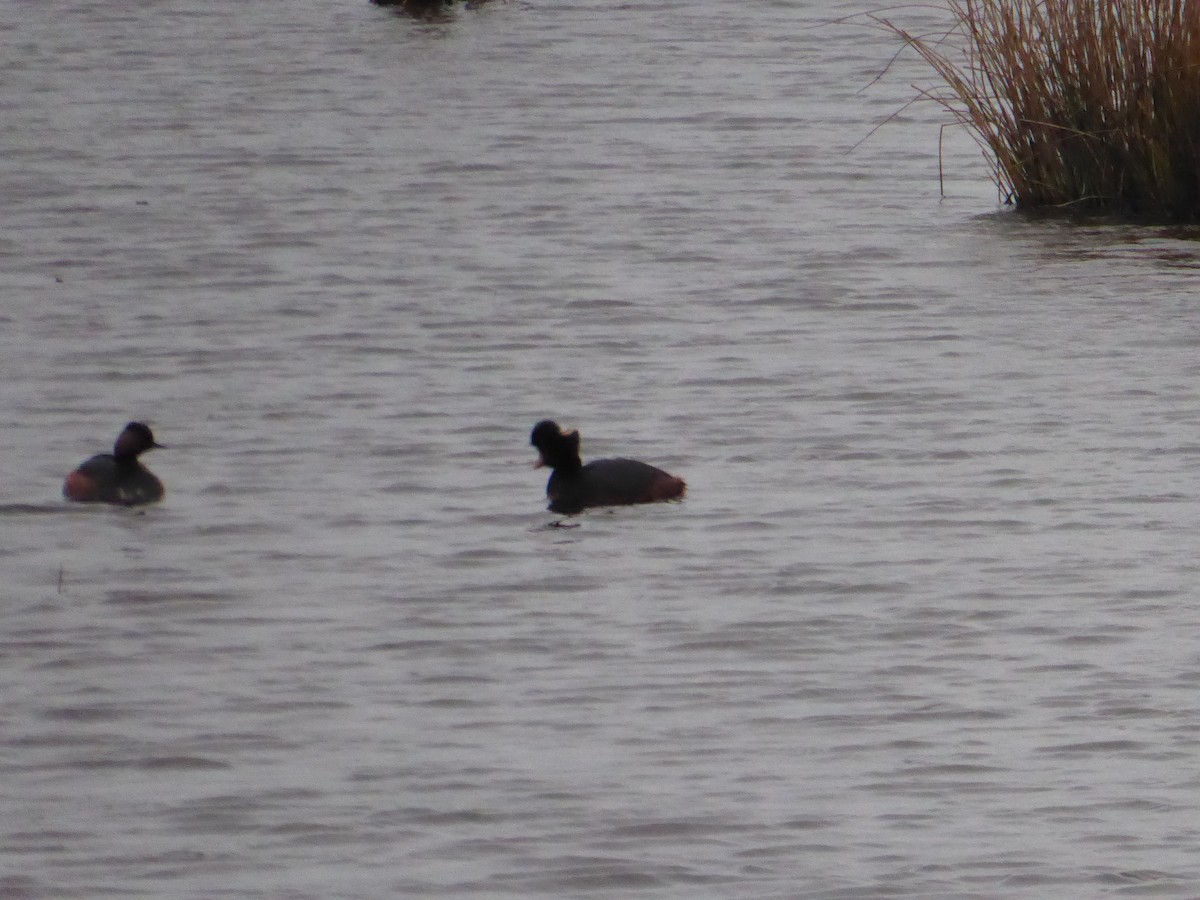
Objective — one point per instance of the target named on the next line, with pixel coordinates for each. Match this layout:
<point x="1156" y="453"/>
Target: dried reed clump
<point x="1091" y="104"/>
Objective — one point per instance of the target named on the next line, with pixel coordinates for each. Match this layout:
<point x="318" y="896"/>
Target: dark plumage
<point x="117" y="477"/>
<point x="574" y="487"/>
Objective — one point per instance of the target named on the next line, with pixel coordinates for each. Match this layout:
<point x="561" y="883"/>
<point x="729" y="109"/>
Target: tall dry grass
<point x="1089" y="104"/>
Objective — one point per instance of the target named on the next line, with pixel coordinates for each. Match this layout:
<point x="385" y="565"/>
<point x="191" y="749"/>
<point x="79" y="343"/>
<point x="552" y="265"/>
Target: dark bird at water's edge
<point x="574" y="486"/>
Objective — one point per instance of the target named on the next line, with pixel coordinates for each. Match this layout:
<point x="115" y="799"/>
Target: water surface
<point x="922" y="627"/>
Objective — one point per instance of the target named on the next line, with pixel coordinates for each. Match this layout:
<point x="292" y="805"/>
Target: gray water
<point x="925" y="625"/>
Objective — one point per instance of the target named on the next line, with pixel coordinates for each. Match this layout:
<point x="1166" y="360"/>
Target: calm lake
<point x="925" y="625"/>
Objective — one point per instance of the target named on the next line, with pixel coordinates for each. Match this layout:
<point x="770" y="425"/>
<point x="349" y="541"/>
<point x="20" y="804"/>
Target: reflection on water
<point x="922" y="626"/>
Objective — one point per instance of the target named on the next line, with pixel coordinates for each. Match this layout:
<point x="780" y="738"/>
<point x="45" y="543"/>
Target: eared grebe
<point x="117" y="477"/>
<point x="605" y="482"/>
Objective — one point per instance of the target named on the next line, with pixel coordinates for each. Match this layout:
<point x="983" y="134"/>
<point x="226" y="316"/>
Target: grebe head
<point x="136" y="438"/>
<point x="556" y="448"/>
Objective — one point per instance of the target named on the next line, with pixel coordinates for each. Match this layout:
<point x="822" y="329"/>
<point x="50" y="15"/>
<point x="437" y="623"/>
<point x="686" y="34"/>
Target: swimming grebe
<point x="117" y="477"/>
<point x="604" y="482"/>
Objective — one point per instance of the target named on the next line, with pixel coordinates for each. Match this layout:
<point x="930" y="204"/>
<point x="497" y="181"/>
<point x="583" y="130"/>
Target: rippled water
<point x="923" y="627"/>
